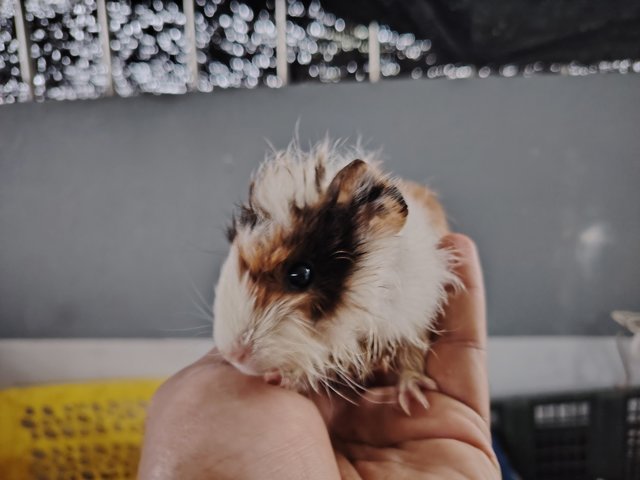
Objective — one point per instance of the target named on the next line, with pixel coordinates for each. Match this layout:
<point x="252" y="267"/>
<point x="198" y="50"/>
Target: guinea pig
<point x="334" y="272"/>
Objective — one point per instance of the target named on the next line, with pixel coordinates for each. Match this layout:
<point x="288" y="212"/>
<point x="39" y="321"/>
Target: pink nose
<point x="241" y="357"/>
<point x="240" y="352"/>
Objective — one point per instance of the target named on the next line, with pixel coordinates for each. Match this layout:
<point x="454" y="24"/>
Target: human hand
<point x="211" y="421"/>
<point x="374" y="439"/>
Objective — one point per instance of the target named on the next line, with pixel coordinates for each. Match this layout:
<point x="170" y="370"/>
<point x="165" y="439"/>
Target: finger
<point x="335" y="407"/>
<point x="346" y="468"/>
<point x="457" y="360"/>
<point x="464" y="318"/>
<point x="445" y="418"/>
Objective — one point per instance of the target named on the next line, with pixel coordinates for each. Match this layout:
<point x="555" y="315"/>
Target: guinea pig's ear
<point x="376" y="201"/>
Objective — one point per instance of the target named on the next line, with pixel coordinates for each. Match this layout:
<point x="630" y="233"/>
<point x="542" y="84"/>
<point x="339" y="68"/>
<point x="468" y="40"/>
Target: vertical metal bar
<point x="282" y="67"/>
<point x="192" y="52"/>
<point x="103" y="22"/>
<point x="26" y="68"/>
<point x="374" y="53"/>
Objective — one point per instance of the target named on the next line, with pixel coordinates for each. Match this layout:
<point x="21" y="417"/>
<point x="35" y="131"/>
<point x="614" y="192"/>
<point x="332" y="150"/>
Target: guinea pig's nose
<point x="240" y="356"/>
<point x="240" y="352"/>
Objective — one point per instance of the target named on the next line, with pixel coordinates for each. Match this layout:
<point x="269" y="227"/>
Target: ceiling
<point x="509" y="31"/>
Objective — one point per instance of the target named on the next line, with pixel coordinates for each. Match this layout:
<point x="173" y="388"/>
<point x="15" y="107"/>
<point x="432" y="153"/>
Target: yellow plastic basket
<point x="75" y="431"/>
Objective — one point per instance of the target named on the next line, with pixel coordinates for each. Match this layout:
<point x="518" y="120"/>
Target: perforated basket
<point x="588" y="435"/>
<point x="76" y="431"/>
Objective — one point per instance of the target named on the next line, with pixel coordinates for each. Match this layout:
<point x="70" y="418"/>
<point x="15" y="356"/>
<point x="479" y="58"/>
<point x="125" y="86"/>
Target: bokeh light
<point x="235" y="47"/>
<point x="65" y="49"/>
<point x="148" y="47"/>
<point x="12" y="88"/>
<point x="236" y="44"/>
<point x="323" y="47"/>
<point x="402" y="54"/>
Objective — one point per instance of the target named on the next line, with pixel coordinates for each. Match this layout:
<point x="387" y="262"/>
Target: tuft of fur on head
<point x="294" y="176"/>
<point x="378" y="276"/>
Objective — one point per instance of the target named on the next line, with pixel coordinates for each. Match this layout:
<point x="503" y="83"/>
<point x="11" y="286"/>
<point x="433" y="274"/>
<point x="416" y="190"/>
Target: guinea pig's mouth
<point x="272" y="377"/>
<point x="245" y="368"/>
<point x="242" y="358"/>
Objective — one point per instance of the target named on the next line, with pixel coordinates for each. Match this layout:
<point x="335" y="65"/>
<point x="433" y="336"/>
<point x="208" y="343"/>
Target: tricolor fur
<point x="379" y="275"/>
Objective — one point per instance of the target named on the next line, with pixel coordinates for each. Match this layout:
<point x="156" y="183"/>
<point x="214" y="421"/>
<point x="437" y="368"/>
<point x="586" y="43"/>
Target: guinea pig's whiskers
<point x="188" y="329"/>
<point x="343" y="255"/>
<point x="364" y="392"/>
<point x="339" y="394"/>
<point x="431" y="351"/>
<point x="351" y="383"/>
<point x="215" y="354"/>
<point x="201" y="334"/>
<point x="376" y="402"/>
<point x="326" y="390"/>
<point x="202" y="314"/>
<point x="204" y="306"/>
<point x="361" y="391"/>
<point x="198" y="314"/>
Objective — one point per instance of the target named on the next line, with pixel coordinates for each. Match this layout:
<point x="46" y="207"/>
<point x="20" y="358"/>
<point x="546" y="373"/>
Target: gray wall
<point x="112" y="211"/>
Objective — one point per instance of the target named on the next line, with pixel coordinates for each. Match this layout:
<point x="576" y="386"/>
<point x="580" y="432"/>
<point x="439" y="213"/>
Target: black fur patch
<point x="320" y="173"/>
<point x="247" y="217"/>
<point x="326" y="238"/>
<point x="232" y="230"/>
<point x="329" y="237"/>
<point x="391" y="191"/>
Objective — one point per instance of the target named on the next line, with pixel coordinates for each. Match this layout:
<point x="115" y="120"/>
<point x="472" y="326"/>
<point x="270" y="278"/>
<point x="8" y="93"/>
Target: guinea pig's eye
<point x="300" y="276"/>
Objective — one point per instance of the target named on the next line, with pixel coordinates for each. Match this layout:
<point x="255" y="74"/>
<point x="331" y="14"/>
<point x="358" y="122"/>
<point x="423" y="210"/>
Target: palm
<point x="374" y="439"/>
<point x="378" y="441"/>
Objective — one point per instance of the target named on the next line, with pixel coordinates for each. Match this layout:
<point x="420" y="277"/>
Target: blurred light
<point x="65" y="49"/>
<point x="149" y="47"/>
<point x="12" y="88"/>
<point x="236" y="47"/>
<point x="484" y="72"/>
<point x="237" y="44"/>
<point x="508" y="71"/>
<point x="324" y="47"/>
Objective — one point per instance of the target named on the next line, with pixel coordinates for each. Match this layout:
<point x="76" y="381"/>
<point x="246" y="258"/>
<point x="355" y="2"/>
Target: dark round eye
<point x="300" y="276"/>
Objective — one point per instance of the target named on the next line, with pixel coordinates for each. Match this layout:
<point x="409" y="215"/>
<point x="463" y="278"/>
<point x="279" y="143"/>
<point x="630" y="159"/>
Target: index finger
<point x="464" y="318"/>
<point x="457" y="360"/>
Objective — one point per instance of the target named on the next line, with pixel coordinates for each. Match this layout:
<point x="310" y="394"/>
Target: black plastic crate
<point x="573" y="436"/>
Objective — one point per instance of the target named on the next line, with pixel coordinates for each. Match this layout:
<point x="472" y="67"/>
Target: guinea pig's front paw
<point x="412" y="385"/>
<point x="273" y="378"/>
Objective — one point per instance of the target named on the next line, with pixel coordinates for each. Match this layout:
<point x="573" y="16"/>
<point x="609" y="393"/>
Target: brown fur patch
<point x="265" y="254"/>
<point x="263" y="262"/>
<point x="379" y="202"/>
<point x="390" y="212"/>
<point x="430" y="200"/>
<point x="346" y="182"/>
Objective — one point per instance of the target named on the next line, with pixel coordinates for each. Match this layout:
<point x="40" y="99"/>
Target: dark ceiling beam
<point x="515" y="31"/>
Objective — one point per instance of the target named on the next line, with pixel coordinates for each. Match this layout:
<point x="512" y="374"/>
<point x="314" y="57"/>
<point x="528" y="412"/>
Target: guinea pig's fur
<point x="378" y="282"/>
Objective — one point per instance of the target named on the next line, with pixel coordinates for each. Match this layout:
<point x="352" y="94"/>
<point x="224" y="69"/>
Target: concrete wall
<point x="112" y="211"/>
